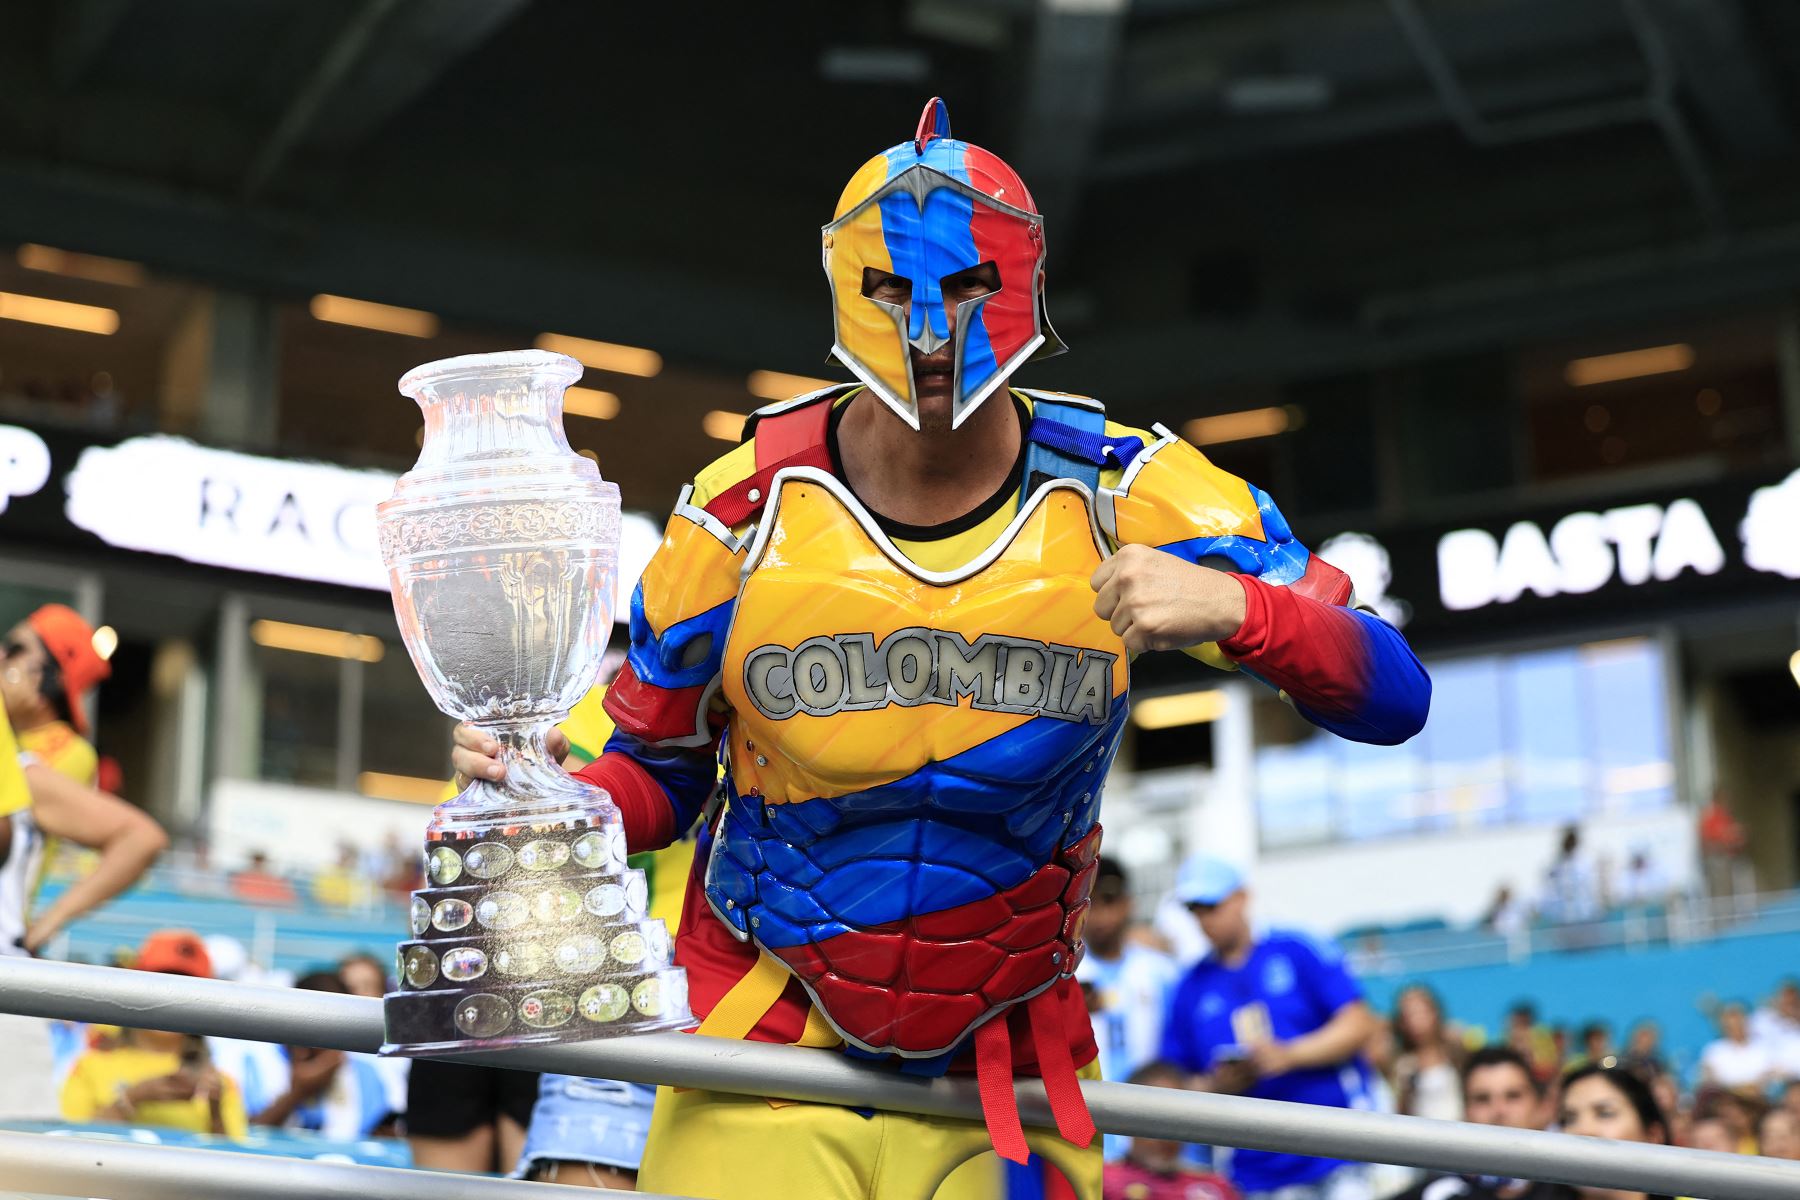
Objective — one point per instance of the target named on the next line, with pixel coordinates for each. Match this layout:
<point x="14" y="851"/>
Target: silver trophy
<point x="502" y="552"/>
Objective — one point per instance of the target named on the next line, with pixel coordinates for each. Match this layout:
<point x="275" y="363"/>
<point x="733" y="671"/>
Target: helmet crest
<point x="924" y="210"/>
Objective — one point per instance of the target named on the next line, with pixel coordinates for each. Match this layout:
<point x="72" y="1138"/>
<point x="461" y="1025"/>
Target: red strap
<point x="790" y="439"/>
<point x="1050" y="1037"/>
<point x="994" y="1080"/>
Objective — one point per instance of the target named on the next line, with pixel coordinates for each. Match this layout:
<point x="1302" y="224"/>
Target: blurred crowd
<point x="1262" y="1012"/>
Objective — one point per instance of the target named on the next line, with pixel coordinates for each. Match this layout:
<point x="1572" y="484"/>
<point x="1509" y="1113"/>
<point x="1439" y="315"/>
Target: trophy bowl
<point x="502" y="552"/>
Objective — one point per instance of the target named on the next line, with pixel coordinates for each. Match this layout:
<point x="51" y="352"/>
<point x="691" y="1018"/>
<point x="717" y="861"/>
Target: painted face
<point x="920" y="218"/>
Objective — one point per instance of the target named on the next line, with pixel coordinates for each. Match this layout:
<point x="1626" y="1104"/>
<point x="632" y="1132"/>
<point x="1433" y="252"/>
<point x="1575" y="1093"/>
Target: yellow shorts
<point x="725" y="1147"/>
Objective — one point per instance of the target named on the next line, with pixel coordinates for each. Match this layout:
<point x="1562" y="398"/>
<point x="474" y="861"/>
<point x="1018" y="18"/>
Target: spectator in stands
<point x="1427" y="1080"/>
<point x="1777" y="1026"/>
<point x="1573" y="890"/>
<point x="260" y="885"/>
<point x="1613" y="1103"/>
<point x="1736" y="1112"/>
<point x="340" y="885"/>
<point x="1533" y="1042"/>
<point x="1507" y="915"/>
<point x="1735" y="1061"/>
<point x="1498" y="1088"/>
<point x="1722" y="844"/>
<point x="1596" y="1045"/>
<point x="1790" y="1097"/>
<point x="337" y="1095"/>
<point x="1779" y="1134"/>
<point x="1274" y="1015"/>
<point x="1710" y="1133"/>
<point x="40" y="803"/>
<point x="471" y="1119"/>
<point x="149" y="1077"/>
<point x="1126" y="984"/>
<point x="1643" y="1051"/>
<point x="1643" y="883"/>
<point x="1153" y="1169"/>
<point x="364" y="975"/>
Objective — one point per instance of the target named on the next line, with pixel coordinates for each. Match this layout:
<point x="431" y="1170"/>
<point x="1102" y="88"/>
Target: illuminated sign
<point x="24" y="463"/>
<point x="225" y="509"/>
<point x="303" y="520"/>
<point x="1583" y="552"/>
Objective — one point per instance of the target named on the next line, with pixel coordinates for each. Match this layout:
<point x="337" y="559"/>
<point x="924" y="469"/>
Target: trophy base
<point x="532" y="930"/>
<point x="423" y="1024"/>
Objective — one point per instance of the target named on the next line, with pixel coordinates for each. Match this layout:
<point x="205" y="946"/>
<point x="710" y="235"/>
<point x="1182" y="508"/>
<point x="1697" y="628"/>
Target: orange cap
<point x="175" y="952"/>
<point x="70" y="641"/>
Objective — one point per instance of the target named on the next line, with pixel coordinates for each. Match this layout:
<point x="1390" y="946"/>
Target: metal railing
<point x="83" y="1166"/>
<point x="112" y="996"/>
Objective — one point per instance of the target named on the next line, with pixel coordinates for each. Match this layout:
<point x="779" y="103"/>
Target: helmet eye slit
<point x="982" y="279"/>
<point x="885" y="286"/>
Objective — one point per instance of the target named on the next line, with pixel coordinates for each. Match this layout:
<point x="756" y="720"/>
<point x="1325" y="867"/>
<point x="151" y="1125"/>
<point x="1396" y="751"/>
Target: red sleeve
<point x="1345" y="670"/>
<point x="643" y="805"/>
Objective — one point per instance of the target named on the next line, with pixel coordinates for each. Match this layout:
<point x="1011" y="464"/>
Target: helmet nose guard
<point x="924" y="210"/>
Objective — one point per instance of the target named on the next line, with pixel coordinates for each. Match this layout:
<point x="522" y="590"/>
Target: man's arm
<point x="1341" y="1038"/>
<point x="1279" y="615"/>
<point x="127" y="838"/>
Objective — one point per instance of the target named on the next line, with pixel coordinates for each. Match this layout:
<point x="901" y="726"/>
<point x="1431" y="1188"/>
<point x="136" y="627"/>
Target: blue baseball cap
<point x="1206" y="880"/>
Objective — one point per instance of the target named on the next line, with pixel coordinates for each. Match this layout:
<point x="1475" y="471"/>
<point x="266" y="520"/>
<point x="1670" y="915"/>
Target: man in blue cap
<point x="1272" y="1014"/>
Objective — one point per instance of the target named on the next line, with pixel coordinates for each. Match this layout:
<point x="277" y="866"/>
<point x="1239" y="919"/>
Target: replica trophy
<point x="502" y="552"/>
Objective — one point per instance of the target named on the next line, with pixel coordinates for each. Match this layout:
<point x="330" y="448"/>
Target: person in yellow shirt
<point x="55" y="658"/>
<point x="155" y="1078"/>
<point x="44" y="798"/>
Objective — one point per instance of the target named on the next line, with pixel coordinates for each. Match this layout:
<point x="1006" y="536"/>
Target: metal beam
<point x="1727" y="75"/>
<point x="131" y="998"/>
<point x="266" y="249"/>
<point x="86" y="1166"/>
<point x="81" y="29"/>
<point x="1074" y="47"/>
<point x="341" y="56"/>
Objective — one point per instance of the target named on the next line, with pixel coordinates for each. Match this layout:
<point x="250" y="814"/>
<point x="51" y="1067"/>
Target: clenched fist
<point x="1156" y="601"/>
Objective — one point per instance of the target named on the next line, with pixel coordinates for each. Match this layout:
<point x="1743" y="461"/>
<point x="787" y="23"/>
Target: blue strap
<point x="1068" y="441"/>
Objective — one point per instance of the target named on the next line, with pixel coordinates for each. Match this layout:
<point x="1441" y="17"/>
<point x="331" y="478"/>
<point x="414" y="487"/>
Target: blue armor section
<point x="1068" y="441"/>
<point x="950" y="834"/>
<point x="1279" y="559"/>
<point x="679" y="658"/>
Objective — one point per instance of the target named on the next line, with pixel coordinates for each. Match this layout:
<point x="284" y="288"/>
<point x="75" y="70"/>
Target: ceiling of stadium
<point x="1235" y="188"/>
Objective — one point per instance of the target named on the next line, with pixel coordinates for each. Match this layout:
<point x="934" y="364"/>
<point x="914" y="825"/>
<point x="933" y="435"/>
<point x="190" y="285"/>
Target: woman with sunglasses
<point x="47" y="665"/>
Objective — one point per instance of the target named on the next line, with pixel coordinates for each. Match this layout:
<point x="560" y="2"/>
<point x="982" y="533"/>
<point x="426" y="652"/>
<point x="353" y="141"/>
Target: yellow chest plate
<point x="848" y="666"/>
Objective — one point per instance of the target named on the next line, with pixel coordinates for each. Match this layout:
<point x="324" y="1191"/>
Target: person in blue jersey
<point x="1272" y="1014"/>
<point x="1126" y="985"/>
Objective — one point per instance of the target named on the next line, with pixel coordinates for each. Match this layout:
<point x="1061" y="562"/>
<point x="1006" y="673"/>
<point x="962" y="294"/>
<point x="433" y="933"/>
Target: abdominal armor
<point x="914" y="763"/>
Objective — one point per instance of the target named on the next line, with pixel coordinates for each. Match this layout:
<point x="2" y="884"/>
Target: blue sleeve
<point x="1325" y="974"/>
<point x="1178" y="1026"/>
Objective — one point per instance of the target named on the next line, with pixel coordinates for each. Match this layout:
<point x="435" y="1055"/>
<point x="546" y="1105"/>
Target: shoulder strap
<point x="1067" y="440"/>
<point x="790" y="434"/>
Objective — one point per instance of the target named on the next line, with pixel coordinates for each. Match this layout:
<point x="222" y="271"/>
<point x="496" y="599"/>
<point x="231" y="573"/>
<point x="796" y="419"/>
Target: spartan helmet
<point x="925" y="210"/>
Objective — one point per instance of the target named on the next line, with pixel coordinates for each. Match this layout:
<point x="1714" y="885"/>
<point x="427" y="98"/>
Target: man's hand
<point x="1233" y="1077"/>
<point x="473" y="754"/>
<point x="178" y="1085"/>
<point x="1271" y="1058"/>
<point x="1156" y="601"/>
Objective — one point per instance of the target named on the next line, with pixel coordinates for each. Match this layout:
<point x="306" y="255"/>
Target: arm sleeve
<point x="660" y="763"/>
<point x="1326" y="976"/>
<point x="1345" y="670"/>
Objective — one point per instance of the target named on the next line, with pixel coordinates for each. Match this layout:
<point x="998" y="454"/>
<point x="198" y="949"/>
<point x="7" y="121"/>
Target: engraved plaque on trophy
<point x="502" y="552"/>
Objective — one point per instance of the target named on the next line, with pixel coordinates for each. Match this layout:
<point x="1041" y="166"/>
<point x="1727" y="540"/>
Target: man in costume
<point x="902" y="614"/>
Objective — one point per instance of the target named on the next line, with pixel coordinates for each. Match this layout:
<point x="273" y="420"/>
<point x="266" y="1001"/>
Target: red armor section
<point x="652" y="713"/>
<point x="796" y="438"/>
<point x="1323" y="582"/>
<point x="920" y="985"/>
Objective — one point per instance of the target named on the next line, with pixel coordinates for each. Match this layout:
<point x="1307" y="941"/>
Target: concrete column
<point x="219" y="371"/>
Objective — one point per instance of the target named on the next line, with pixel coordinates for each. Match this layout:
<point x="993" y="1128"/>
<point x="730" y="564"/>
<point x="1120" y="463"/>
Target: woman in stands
<point x="1610" y="1102"/>
<point x="1428" y="1071"/>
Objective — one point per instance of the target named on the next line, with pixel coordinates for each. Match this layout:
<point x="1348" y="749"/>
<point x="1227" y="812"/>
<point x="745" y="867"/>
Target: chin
<point x="935" y="410"/>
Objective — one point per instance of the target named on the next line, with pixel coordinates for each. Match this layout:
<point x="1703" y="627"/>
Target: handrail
<point x="87" y="1166"/>
<point x="202" y="1006"/>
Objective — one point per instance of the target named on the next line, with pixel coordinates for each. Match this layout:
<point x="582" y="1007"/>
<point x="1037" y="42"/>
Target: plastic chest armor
<point x="915" y="760"/>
